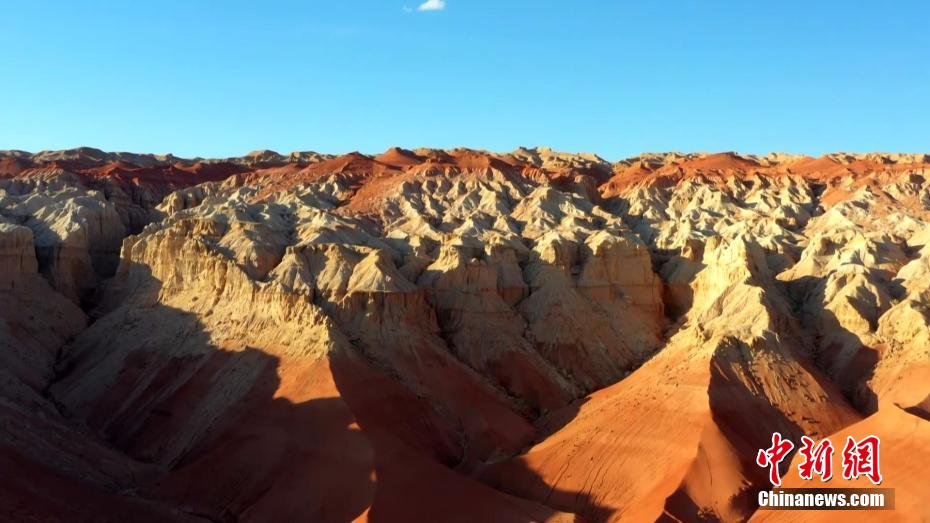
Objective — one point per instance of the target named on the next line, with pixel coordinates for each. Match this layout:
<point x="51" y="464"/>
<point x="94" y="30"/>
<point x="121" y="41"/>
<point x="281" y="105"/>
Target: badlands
<point x="454" y="335"/>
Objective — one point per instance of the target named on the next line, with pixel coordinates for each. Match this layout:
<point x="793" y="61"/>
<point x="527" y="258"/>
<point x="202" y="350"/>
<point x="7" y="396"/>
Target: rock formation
<point x="451" y="335"/>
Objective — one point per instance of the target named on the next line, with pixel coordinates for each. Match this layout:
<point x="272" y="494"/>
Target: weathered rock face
<point x="76" y="231"/>
<point x="17" y="254"/>
<point x="53" y="466"/>
<point x="512" y="337"/>
<point x="35" y="321"/>
<point x="737" y="356"/>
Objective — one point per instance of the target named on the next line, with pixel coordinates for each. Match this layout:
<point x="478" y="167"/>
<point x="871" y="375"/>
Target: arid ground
<point x="454" y="335"/>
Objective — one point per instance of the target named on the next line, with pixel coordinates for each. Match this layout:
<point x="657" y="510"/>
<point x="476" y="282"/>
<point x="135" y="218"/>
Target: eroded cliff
<point x="523" y="336"/>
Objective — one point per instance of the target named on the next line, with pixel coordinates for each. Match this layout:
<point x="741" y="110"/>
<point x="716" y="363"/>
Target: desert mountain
<point x="452" y="335"/>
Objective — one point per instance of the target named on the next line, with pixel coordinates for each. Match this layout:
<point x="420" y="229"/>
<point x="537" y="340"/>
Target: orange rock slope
<point x="452" y="335"/>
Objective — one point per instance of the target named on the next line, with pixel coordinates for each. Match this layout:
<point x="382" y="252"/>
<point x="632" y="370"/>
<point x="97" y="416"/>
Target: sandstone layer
<point x="454" y="335"/>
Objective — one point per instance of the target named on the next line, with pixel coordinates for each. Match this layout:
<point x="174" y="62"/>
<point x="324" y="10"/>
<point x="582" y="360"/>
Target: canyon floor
<point x="454" y="335"/>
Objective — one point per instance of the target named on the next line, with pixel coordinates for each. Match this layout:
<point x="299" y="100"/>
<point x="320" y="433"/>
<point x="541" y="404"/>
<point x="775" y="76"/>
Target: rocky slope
<point x="450" y="335"/>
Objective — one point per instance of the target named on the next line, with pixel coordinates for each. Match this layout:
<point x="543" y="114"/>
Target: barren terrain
<point x="453" y="335"/>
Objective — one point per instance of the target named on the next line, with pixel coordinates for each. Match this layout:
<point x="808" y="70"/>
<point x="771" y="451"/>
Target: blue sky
<point x="613" y="77"/>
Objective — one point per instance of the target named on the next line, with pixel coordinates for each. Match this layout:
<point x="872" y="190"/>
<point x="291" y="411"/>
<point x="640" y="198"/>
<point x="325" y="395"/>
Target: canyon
<point x="454" y="335"/>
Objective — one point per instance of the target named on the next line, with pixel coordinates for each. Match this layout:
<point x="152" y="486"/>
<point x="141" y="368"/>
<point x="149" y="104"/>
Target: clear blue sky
<point x="613" y="77"/>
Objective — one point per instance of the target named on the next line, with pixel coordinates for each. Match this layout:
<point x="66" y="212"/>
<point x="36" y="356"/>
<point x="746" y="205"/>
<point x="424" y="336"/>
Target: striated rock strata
<point x="458" y="335"/>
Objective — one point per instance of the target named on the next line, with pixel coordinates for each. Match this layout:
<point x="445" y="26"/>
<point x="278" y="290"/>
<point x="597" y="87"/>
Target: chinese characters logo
<point x="860" y="458"/>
